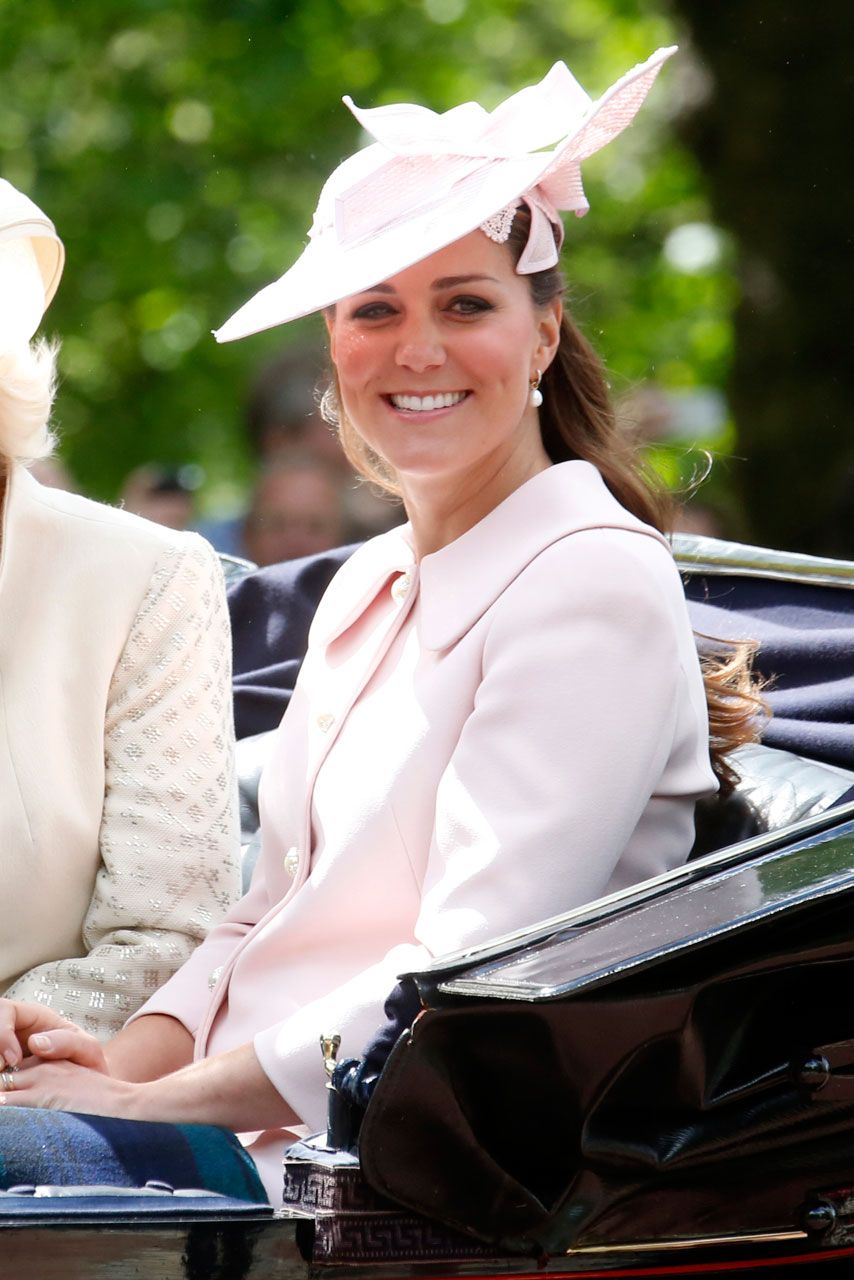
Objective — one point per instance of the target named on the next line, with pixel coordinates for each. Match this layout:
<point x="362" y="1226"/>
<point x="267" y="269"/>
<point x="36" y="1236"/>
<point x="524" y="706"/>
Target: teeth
<point x="421" y="404"/>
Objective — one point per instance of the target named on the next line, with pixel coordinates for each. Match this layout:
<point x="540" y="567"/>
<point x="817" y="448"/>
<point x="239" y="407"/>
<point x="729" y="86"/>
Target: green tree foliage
<point x="180" y="146"/>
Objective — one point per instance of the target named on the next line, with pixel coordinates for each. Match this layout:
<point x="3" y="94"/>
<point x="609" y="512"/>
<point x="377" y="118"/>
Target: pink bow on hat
<point x="529" y="120"/>
<point x="466" y="139"/>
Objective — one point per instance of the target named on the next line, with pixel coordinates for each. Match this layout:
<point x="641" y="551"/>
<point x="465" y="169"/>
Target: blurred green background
<point x="180" y="145"/>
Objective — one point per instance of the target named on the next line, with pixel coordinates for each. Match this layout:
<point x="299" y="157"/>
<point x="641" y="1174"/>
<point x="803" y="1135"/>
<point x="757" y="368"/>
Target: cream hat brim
<point x="20" y="217"/>
<point x="326" y="273"/>
<point x="377" y="185"/>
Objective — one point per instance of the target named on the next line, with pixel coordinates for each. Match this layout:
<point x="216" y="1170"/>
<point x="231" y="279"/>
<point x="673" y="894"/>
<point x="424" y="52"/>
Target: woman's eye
<point x="372" y="311"/>
<point x="469" y="306"/>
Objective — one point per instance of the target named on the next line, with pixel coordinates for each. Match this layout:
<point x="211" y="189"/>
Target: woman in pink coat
<point x="501" y="714"/>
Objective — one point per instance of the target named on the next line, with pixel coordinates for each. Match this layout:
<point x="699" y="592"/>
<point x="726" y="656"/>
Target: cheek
<point x="354" y="356"/>
<point x="503" y="357"/>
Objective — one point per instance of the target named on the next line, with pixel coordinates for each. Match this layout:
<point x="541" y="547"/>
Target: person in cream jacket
<point x="118" y="833"/>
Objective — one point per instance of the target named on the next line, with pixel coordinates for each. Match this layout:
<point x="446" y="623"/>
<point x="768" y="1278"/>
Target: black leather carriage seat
<point x="775" y="789"/>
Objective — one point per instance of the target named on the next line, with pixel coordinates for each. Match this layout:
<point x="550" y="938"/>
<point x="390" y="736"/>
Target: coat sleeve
<point x="169" y="848"/>
<point x="571" y="727"/>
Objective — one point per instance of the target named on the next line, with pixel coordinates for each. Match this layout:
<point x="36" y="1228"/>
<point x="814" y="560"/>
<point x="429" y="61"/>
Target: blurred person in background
<point x="118" y="831"/>
<point x="165" y="495"/>
<point x="53" y="474"/>
<point x="282" y="409"/>
<point x="297" y="509"/>
<point x="700" y="519"/>
<point x="284" y="413"/>
<point x="280" y="415"/>
<point x="283" y="416"/>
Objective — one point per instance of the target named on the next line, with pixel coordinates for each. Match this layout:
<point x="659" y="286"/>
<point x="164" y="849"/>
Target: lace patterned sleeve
<point x="169" y="833"/>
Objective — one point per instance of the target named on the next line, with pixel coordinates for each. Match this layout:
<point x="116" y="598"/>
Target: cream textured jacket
<point x="118" y="837"/>
<point x="507" y="729"/>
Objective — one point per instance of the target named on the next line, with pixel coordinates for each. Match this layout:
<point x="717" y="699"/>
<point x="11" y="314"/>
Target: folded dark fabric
<point x="62" y="1148"/>
<point x="806" y="641"/>
<point x="271" y="612"/>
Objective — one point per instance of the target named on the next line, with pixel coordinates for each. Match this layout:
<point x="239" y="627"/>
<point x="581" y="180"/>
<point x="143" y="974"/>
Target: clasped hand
<point x="30" y="1029"/>
<point x="50" y="1062"/>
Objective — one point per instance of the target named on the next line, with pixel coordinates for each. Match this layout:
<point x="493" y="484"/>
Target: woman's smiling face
<point x="434" y="365"/>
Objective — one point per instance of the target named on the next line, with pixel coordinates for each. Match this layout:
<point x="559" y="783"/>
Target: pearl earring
<point x="536" y="393"/>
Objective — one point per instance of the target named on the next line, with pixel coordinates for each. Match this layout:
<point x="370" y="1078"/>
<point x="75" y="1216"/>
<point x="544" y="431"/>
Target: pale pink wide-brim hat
<point x="20" y="218"/>
<point x="430" y="179"/>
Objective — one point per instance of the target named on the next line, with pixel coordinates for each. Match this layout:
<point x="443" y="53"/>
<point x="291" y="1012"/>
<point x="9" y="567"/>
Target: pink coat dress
<point x="511" y="727"/>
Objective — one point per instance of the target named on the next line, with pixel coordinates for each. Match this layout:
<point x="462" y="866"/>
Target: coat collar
<point x="358" y="582"/>
<point x="460" y="582"/>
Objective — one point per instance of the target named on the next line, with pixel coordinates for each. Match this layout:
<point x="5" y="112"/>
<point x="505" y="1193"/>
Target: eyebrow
<point x="446" y="282"/>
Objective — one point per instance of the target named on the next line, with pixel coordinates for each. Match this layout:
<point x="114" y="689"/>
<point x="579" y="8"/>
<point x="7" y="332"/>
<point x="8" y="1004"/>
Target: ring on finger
<point x="7" y="1079"/>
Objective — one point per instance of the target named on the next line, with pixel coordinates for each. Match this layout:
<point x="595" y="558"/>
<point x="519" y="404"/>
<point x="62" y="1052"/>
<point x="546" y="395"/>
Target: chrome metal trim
<point x="646" y="890"/>
<point x="695" y="554"/>
<point x="699" y="1242"/>
<point x="234" y="567"/>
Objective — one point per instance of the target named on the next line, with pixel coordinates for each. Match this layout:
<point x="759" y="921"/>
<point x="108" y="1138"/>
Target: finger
<point x="56" y="1085"/>
<point x="69" y="1044"/>
<point x="8" y="1085"/>
<point x="10" y="1050"/>
<point x="30" y="1085"/>
<point x="16" y="1089"/>
<point x="19" y="1020"/>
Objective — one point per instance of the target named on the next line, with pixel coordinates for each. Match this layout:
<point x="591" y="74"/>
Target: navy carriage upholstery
<point x="800" y="609"/>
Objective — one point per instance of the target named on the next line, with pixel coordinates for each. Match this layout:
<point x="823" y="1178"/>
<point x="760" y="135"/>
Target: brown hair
<point x="577" y="421"/>
<point x="368" y="464"/>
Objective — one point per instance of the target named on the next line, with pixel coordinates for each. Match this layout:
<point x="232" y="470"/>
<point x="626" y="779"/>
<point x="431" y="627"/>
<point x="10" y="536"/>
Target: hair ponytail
<point x="577" y="421"/>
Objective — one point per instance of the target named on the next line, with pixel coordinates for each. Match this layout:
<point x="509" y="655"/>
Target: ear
<point x="548" y="333"/>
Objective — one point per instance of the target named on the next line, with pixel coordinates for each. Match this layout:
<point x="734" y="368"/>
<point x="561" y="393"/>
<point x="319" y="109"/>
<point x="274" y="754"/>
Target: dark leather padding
<point x="775" y="789"/>
<point x="687" y="1093"/>
<point x="722" y="820"/>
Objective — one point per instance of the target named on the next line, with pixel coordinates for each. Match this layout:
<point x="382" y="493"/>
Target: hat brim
<point x="50" y="253"/>
<point x="326" y="272"/>
<point x="48" y="248"/>
<point x="33" y="225"/>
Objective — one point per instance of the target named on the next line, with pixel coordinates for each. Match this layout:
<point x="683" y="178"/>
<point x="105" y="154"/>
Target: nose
<point x="419" y="347"/>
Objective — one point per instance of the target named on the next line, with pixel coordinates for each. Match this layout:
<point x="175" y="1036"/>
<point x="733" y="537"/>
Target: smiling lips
<point x="423" y="404"/>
